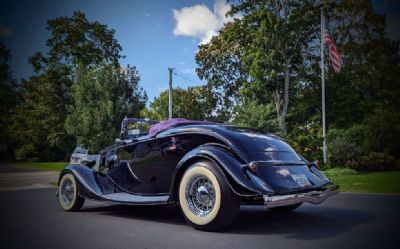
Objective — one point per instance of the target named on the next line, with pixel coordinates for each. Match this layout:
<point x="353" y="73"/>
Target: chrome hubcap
<point x="67" y="192"/>
<point x="200" y="195"/>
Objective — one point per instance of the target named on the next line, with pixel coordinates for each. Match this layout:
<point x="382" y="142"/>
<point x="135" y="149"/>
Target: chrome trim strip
<point x="314" y="197"/>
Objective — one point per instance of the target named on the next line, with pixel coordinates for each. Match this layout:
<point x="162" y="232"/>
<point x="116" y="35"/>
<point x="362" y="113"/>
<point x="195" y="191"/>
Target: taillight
<point x="253" y="166"/>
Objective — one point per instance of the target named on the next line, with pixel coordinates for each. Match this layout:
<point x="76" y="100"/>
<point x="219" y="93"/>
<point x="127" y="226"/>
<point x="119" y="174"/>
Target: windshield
<point x="134" y="127"/>
<point x="139" y="127"/>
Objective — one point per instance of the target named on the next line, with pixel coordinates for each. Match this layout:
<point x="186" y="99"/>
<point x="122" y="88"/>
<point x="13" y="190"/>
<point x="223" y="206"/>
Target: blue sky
<point x="154" y="34"/>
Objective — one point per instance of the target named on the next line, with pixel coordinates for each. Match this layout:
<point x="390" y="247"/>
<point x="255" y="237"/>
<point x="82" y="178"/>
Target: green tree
<point x="42" y="113"/>
<point x="102" y="97"/>
<point x="38" y="120"/>
<point x="8" y="99"/>
<point x="276" y="47"/>
<point x="220" y="63"/>
<point x="74" y="40"/>
<point x="269" y="43"/>
<point x="370" y="74"/>
<point x="260" y="116"/>
<point x="197" y="103"/>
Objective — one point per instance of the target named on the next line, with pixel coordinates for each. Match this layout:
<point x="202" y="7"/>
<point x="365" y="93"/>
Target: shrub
<point x="27" y="152"/>
<point x="383" y="131"/>
<point x="341" y="151"/>
<point x="377" y="161"/>
<point x="307" y="142"/>
<point x="356" y="134"/>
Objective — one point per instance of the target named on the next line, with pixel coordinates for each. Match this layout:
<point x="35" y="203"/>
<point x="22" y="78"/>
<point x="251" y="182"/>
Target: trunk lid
<point x="289" y="176"/>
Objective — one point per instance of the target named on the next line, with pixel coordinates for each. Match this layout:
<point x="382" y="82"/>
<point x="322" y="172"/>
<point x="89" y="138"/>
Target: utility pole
<point x="171" y="70"/>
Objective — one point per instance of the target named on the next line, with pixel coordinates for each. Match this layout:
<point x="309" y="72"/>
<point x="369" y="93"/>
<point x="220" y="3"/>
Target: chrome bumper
<point x="314" y="197"/>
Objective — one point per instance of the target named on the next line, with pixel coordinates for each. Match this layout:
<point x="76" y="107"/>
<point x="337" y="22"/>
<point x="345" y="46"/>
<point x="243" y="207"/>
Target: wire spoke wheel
<point x="67" y="192"/>
<point x="200" y="195"/>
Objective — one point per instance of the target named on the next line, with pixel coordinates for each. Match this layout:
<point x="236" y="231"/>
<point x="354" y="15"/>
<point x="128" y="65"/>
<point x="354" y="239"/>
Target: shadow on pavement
<point x="165" y="214"/>
<point x="306" y="223"/>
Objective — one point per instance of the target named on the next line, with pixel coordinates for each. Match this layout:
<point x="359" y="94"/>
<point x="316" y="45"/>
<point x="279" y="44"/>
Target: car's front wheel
<point x="68" y="193"/>
<point x="205" y="197"/>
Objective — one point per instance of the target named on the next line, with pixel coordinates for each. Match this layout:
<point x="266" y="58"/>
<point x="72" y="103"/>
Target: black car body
<point x="148" y="170"/>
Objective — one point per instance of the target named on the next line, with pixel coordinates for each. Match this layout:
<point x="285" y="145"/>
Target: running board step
<point x="126" y="198"/>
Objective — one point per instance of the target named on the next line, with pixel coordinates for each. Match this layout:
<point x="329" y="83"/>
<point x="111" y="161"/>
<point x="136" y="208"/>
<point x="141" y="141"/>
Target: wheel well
<point x="179" y="174"/>
<point x="61" y="175"/>
<point x="175" y="188"/>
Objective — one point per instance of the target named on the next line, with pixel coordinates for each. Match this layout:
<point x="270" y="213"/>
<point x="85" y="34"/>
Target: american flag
<point x="334" y="54"/>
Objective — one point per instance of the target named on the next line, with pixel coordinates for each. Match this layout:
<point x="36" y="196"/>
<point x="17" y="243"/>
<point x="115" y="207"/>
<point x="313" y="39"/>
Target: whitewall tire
<point x="205" y="197"/>
<point x="68" y="193"/>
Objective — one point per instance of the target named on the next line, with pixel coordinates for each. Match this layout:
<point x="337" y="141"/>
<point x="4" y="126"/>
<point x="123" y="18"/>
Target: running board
<point x="125" y="198"/>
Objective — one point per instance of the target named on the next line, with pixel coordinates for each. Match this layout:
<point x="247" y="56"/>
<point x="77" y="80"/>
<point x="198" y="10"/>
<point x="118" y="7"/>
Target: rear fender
<point x="233" y="169"/>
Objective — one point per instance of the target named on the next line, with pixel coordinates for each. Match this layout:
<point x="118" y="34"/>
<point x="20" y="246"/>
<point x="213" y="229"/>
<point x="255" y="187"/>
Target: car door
<point x="152" y="161"/>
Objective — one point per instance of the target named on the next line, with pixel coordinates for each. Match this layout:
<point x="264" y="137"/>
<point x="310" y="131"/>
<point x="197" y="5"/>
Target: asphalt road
<point x="33" y="219"/>
<point x="27" y="180"/>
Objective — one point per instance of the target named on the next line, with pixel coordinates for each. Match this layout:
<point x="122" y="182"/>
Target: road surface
<point x="33" y="219"/>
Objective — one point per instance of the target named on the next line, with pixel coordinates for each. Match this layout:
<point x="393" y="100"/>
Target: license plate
<point x="301" y="180"/>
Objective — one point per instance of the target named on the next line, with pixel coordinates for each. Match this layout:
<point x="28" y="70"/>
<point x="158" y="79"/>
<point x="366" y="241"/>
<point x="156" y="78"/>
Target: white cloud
<point x="200" y="22"/>
<point x="221" y="7"/>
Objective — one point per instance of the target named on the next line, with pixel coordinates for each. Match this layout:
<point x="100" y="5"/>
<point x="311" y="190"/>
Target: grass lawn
<point x="375" y="182"/>
<point x="46" y="166"/>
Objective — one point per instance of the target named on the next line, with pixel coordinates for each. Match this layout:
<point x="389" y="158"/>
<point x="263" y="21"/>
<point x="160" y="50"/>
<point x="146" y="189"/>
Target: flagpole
<point x="323" y="87"/>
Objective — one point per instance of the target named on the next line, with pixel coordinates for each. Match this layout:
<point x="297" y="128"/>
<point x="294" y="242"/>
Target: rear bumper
<point x="314" y="197"/>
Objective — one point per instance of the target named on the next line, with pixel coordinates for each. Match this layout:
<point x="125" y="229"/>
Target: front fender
<point x="234" y="170"/>
<point x="86" y="178"/>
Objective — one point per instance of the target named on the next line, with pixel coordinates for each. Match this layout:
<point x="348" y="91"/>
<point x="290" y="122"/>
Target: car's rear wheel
<point x="286" y="208"/>
<point x="68" y="193"/>
<point x="205" y="197"/>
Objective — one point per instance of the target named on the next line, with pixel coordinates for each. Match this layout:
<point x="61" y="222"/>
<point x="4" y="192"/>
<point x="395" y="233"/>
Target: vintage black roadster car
<point x="208" y="168"/>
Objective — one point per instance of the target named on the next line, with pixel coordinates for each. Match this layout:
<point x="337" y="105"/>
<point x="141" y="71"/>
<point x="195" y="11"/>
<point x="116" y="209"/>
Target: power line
<point x="183" y="77"/>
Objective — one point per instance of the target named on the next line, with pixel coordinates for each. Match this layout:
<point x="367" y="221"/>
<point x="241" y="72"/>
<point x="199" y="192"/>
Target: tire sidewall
<point x="199" y="169"/>
<point x="225" y="207"/>
<point x="73" y="202"/>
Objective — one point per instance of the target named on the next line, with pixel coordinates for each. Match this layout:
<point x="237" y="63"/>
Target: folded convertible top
<point x="167" y="124"/>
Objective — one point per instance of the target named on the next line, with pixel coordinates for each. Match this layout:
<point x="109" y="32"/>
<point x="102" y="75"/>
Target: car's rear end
<point x="293" y="183"/>
<point x="288" y="178"/>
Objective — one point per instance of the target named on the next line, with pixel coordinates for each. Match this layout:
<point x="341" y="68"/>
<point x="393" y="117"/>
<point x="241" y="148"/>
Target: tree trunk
<point x="281" y="105"/>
